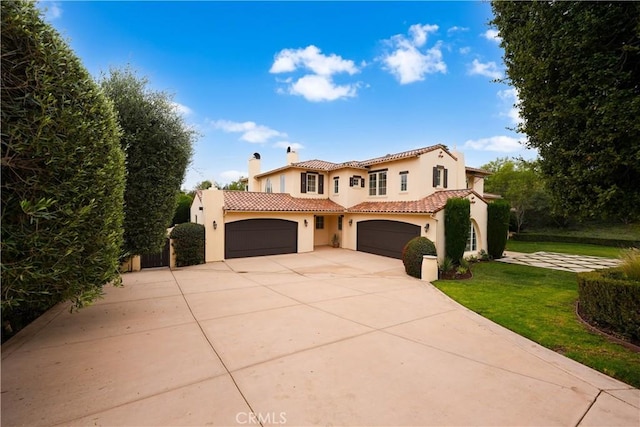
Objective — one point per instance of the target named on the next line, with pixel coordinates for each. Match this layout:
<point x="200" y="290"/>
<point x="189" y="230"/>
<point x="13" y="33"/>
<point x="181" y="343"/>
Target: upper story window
<point x="311" y="182"/>
<point x="312" y="179"/>
<point x="440" y="176"/>
<point x="267" y="186"/>
<point x="403" y="180"/>
<point x="336" y="185"/>
<point x="378" y="183"/>
<point x="282" y="190"/>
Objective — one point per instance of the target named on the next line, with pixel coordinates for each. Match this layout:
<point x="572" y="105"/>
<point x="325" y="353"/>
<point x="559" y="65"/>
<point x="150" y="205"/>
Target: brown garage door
<point x="257" y="237"/>
<point x="384" y="237"/>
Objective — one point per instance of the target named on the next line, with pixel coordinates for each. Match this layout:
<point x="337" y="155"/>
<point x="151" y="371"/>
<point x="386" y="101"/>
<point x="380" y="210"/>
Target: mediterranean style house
<point x="374" y="205"/>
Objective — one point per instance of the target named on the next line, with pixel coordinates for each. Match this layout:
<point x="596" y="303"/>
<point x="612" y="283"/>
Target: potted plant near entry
<point x="335" y="241"/>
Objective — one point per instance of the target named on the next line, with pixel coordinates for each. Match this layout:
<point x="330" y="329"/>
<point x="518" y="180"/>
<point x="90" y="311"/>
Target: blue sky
<point x="337" y="81"/>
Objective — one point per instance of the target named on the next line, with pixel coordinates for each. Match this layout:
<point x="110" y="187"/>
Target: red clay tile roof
<point x="405" y="154"/>
<point x="246" y="201"/>
<point x="429" y="204"/>
<point x="477" y="171"/>
<point x="321" y="165"/>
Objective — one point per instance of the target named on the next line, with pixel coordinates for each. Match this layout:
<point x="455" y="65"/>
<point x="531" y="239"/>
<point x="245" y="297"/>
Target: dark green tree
<point x="62" y="172"/>
<point x="158" y="146"/>
<point x="498" y="213"/>
<point x="457" y="225"/>
<point x="239" y="185"/>
<point x="524" y="186"/>
<point x="576" y="66"/>
<point x="183" y="209"/>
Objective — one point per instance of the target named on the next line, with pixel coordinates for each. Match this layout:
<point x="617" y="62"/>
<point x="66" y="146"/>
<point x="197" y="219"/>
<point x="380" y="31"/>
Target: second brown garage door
<point x="383" y="237"/>
<point x="257" y="237"/>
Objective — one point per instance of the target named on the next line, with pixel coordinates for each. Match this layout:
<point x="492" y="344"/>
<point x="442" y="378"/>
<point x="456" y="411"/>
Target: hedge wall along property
<point x="62" y="172"/>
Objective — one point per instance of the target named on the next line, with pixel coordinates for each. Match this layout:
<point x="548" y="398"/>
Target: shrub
<point x="62" y="172"/>
<point x="497" y="227"/>
<point x="457" y="224"/>
<point x="188" y="242"/>
<point x="611" y="300"/>
<point x="631" y="263"/>
<point x="413" y="252"/>
<point x="182" y="213"/>
<point x="447" y="265"/>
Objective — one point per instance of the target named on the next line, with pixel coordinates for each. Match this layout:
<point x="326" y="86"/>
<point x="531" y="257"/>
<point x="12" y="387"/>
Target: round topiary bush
<point x="188" y="242"/>
<point x="413" y="252"/>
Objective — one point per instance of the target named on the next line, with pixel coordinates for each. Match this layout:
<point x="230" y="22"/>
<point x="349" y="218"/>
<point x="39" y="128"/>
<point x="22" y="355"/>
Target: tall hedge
<point x="62" y="172"/>
<point x="457" y="225"/>
<point x="498" y="214"/>
<point x="158" y="146"/>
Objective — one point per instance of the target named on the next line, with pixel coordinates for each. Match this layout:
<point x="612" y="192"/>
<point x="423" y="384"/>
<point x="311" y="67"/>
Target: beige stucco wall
<point x="196" y="210"/>
<point x="478" y="211"/>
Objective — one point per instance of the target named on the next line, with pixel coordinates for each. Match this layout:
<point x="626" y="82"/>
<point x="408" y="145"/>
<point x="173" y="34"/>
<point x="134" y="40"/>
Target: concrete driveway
<point x="333" y="337"/>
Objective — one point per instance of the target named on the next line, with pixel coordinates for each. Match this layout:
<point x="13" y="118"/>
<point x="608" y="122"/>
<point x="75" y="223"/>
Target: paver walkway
<point x="333" y="337"/>
<point x="559" y="261"/>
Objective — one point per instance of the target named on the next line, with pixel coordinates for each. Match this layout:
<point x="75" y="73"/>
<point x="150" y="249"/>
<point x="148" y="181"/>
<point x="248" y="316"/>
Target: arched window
<point x="472" y="242"/>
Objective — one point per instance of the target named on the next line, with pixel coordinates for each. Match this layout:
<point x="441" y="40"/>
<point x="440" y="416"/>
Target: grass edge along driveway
<point x="539" y="304"/>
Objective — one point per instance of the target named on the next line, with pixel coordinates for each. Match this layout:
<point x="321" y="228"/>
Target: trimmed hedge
<point x="607" y="298"/>
<point x="62" y="173"/>
<point x="457" y="225"/>
<point x="412" y="255"/>
<point x="535" y="237"/>
<point x="188" y="242"/>
<point x="498" y="214"/>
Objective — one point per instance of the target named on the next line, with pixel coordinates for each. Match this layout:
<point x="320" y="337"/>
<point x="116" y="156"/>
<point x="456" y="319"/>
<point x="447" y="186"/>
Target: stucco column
<point x="429" y="268"/>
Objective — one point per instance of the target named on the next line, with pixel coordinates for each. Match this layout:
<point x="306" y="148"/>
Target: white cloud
<point x="182" y="109"/>
<point x="456" y="29"/>
<point x="232" y="175"/>
<point x="407" y="62"/>
<point x="464" y="50"/>
<point x="311" y="58"/>
<point x="490" y="69"/>
<point x="510" y="97"/>
<point x="419" y="33"/>
<point x="318" y="88"/>
<point x="251" y="132"/>
<point x="318" y="85"/>
<point x="492" y="34"/>
<point x="502" y="143"/>
<point x="286" y="144"/>
<point x="52" y="10"/>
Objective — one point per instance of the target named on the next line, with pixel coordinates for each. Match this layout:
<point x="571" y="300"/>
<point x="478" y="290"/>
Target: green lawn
<point x="599" y="230"/>
<point x="569" y="248"/>
<point x="539" y="304"/>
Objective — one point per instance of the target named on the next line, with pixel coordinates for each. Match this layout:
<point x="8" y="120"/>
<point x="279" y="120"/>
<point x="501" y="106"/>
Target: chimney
<point x="292" y="156"/>
<point x="254" y="169"/>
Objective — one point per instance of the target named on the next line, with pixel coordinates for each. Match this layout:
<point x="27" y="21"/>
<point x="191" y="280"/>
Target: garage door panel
<point x="258" y="237"/>
<point x="384" y="237"/>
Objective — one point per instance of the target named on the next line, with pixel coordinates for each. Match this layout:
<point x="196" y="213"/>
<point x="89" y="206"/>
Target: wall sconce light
<point x="350" y="222"/>
<point x="215" y="225"/>
<point x="306" y="222"/>
<point x="426" y="227"/>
